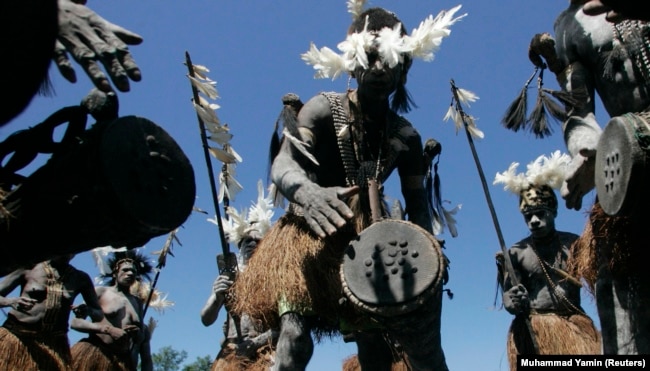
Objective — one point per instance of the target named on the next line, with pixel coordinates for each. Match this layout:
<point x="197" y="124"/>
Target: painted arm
<point x="581" y="130"/>
<point x="7" y="285"/>
<point x="210" y="310"/>
<point x="323" y="207"/>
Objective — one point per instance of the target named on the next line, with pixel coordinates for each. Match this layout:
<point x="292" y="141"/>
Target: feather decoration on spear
<point x="457" y="99"/>
<point x="212" y="129"/>
<point x="162" y="261"/>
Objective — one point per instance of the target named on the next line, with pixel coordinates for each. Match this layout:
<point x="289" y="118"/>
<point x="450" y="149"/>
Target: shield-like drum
<point x="391" y="268"/>
<point x="620" y="168"/>
<point x="125" y="183"/>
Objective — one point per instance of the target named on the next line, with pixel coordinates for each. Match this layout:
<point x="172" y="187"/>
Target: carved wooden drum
<point x="125" y="182"/>
<point x="621" y="172"/>
<point x="391" y="268"/>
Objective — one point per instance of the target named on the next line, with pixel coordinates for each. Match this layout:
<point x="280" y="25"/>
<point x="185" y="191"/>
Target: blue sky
<point x="253" y="51"/>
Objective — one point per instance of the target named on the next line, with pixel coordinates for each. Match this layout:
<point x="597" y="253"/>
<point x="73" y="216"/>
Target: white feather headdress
<point x="258" y="218"/>
<point x="422" y="43"/>
<point x="543" y="171"/>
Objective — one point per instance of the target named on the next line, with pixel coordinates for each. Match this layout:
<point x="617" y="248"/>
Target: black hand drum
<point x="621" y="172"/>
<point x="124" y="182"/>
<point x="391" y="268"/>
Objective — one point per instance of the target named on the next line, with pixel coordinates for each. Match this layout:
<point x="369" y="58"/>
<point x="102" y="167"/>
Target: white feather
<point x="391" y="45"/>
<point x="512" y="181"/>
<point x="355" y="7"/>
<point x="300" y="145"/>
<point x="206" y="87"/>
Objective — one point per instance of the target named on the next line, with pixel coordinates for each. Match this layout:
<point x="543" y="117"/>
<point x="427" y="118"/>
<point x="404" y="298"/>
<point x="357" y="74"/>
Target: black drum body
<point x="126" y="182"/>
<point x="621" y="168"/>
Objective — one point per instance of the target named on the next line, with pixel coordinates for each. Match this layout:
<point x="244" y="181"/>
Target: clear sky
<point x="253" y="51"/>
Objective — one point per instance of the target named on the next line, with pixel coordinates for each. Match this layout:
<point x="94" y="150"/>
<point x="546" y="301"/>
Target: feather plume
<point x="512" y="181"/>
<point x="207" y="87"/>
<point x="207" y="115"/>
<point x="422" y="43"/>
<point x="515" y="116"/>
<point x="158" y="300"/>
<point x="325" y="61"/>
<point x="474" y="131"/>
<point x="201" y="71"/>
<point x="391" y="45"/>
<point x="451" y="220"/>
<point x="100" y="257"/>
<point x="543" y="171"/>
<point x="300" y="146"/>
<point x="355" y="7"/>
<point x="261" y="212"/>
<point x="466" y="97"/>
<point x="229" y="187"/>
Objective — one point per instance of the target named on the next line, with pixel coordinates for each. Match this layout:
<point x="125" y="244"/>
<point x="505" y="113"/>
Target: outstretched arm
<point x="90" y="38"/>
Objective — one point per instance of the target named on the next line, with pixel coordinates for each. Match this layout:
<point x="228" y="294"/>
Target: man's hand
<point x="580" y="179"/>
<point x="324" y="208"/>
<point x="515" y="300"/>
<point x="221" y="285"/>
<point x="90" y="38"/>
<point x="23" y="304"/>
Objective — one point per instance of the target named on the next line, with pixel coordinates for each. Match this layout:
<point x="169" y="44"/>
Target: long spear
<point x="506" y="257"/>
<point x="226" y="262"/>
<point x="208" y="162"/>
<point x="162" y="261"/>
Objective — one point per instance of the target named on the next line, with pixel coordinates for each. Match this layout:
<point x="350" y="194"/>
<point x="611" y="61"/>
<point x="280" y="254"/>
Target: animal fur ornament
<point x="392" y="46"/>
<point x="535" y="187"/>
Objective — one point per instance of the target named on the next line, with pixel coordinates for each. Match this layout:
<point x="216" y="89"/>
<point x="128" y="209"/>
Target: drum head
<point x="620" y="167"/>
<point x="149" y="173"/>
<point x="391" y="267"/>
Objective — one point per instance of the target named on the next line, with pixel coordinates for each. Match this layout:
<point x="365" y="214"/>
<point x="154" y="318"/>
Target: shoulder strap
<point x="341" y="123"/>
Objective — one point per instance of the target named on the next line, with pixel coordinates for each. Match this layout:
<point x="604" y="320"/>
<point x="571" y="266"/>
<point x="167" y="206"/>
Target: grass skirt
<point x="227" y="360"/>
<point x="293" y="266"/>
<point x="352" y="364"/>
<point x="33" y="351"/>
<point x="91" y="354"/>
<point x="555" y="334"/>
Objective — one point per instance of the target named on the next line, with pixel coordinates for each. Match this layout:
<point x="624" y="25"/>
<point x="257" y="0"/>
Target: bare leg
<point x="295" y="345"/>
<point x="373" y="351"/>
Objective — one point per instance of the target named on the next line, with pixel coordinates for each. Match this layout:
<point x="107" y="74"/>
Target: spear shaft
<point x="208" y="162"/>
<point x="506" y="257"/>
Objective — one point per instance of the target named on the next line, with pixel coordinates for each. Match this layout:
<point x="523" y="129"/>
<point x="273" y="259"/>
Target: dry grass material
<point x="228" y="361"/>
<point x="34" y="352"/>
<point x="612" y="241"/>
<point x="352" y="364"/>
<point x="90" y="355"/>
<point x="293" y="265"/>
<point x="574" y="334"/>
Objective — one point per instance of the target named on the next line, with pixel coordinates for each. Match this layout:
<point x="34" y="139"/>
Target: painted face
<point x="126" y="274"/>
<point x="540" y="222"/>
<point x="247" y="245"/>
<point x="378" y="77"/>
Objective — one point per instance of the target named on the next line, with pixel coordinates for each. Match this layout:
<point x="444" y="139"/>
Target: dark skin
<point x="582" y="45"/>
<point x="323" y="200"/>
<point x="534" y="292"/>
<point x="30" y="306"/>
<point x="617" y="10"/>
<point x="124" y="311"/>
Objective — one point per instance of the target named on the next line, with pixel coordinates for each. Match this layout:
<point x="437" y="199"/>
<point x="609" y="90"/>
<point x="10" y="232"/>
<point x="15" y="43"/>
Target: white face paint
<point x="540" y="222"/>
